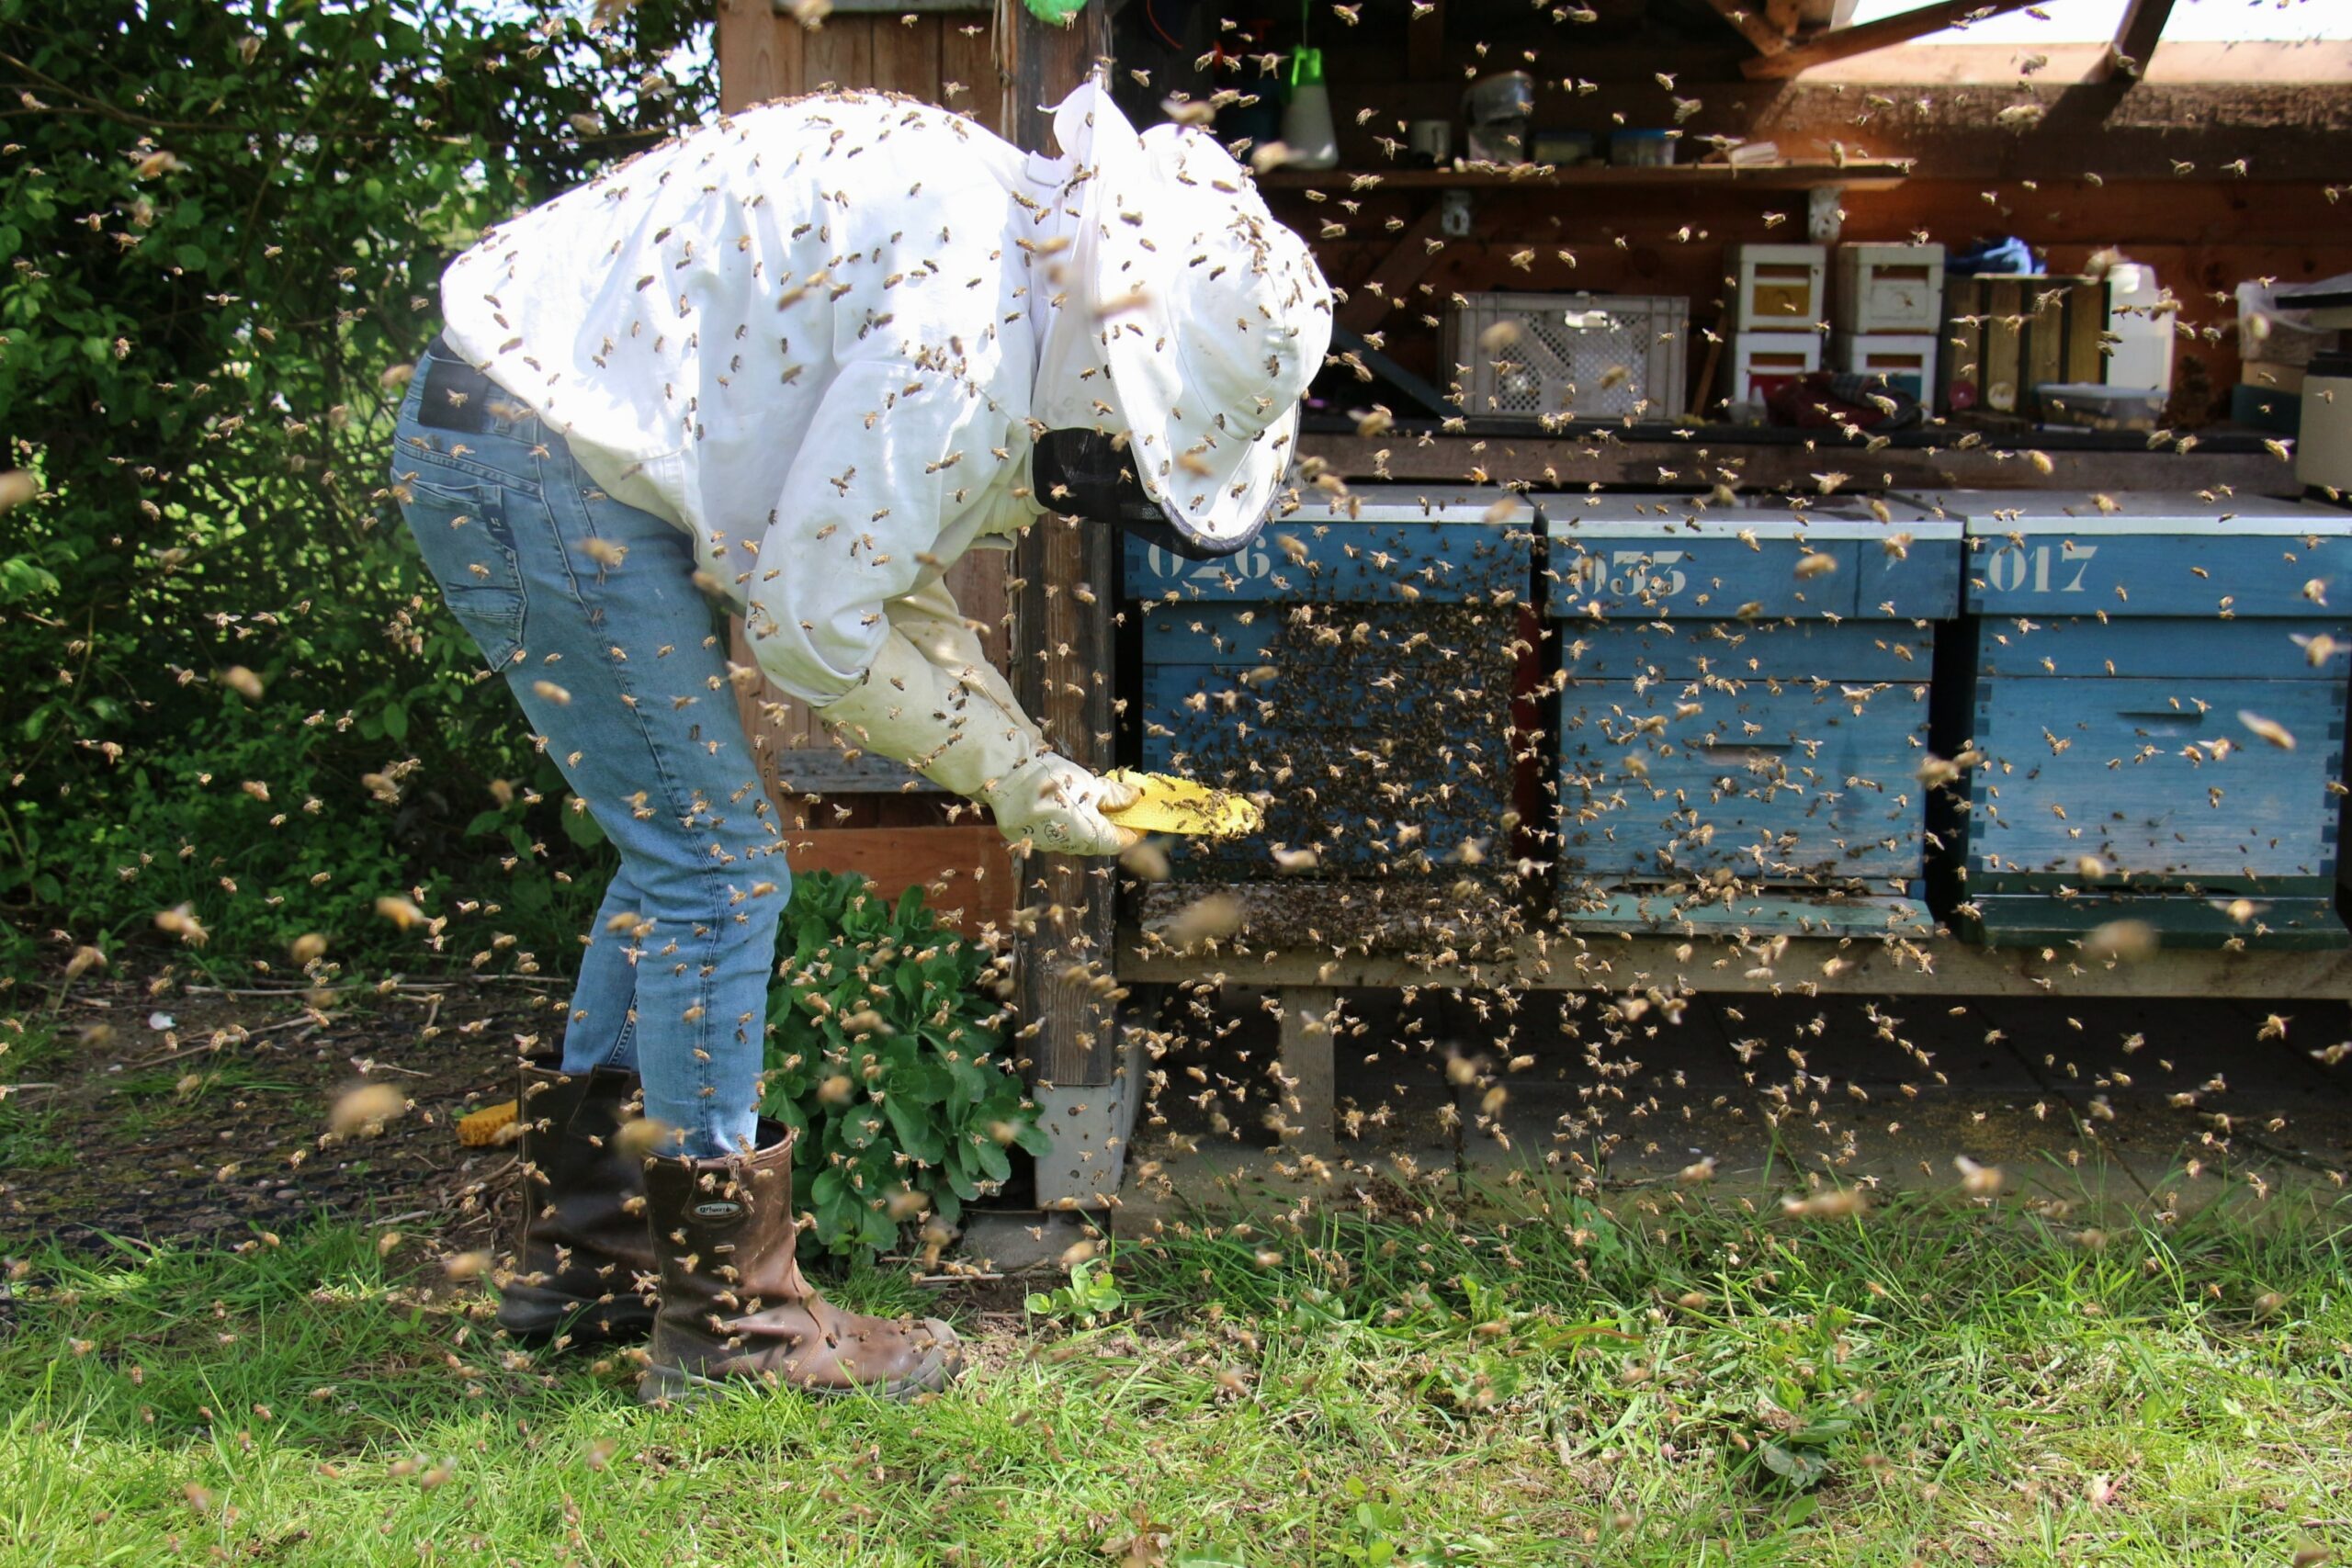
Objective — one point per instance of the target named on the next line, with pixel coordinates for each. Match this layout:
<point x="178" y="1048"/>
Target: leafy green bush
<point x="225" y="226"/>
<point x="882" y="1052"/>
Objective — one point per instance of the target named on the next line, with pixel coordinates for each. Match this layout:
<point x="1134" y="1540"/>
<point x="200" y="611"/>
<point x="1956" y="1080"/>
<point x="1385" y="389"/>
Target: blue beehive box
<point x="2121" y="659"/>
<point x="1352" y="671"/>
<point x="1743" y="711"/>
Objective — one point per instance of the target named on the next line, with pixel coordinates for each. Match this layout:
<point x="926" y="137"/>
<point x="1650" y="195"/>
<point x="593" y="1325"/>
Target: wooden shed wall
<point x="2209" y="183"/>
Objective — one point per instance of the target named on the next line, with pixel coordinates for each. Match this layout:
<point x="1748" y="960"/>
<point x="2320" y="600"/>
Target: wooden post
<point x="1841" y="43"/>
<point x="2135" y="40"/>
<point x="1062" y="667"/>
<point x="1307" y="1059"/>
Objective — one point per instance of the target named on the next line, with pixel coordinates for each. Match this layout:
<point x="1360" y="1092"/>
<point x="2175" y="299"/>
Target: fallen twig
<point x="369" y="1065"/>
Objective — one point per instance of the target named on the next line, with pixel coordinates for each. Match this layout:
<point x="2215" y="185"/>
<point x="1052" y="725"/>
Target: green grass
<point x="1930" y="1383"/>
<point x="28" y="1127"/>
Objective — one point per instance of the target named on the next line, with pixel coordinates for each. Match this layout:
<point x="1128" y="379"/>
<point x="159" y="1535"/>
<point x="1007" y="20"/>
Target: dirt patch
<point x="194" y="1114"/>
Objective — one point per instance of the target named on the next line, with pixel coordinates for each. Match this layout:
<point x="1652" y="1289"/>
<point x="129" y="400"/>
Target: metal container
<point x="1498" y="111"/>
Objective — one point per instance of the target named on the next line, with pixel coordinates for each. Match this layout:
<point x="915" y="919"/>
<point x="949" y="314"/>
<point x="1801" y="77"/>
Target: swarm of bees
<point x="1558" y="792"/>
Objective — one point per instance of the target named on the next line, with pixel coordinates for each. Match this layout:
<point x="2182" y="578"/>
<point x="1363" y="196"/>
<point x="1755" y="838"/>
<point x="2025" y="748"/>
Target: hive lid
<point x="1451" y="501"/>
<point x="1649" y="514"/>
<point x="1998" y="513"/>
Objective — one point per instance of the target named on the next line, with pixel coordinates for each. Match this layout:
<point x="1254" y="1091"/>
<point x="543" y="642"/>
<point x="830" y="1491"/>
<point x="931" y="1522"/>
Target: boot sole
<point x="674" y="1385"/>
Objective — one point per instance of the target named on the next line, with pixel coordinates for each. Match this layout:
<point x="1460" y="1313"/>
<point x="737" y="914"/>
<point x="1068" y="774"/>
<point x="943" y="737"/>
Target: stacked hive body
<point x="1890" y="311"/>
<point x="1743" y="712"/>
<point x="1351" y="669"/>
<point x="2121" y="663"/>
<point x="1779" y="307"/>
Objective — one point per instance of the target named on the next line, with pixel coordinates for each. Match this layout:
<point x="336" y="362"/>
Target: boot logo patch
<point x="718" y="1210"/>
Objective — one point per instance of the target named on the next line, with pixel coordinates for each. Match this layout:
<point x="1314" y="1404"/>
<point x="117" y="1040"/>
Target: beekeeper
<point x="799" y="361"/>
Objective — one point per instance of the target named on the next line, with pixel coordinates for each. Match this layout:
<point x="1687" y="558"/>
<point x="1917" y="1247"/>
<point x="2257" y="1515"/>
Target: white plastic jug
<point x="1307" y="128"/>
<point x="2144" y="358"/>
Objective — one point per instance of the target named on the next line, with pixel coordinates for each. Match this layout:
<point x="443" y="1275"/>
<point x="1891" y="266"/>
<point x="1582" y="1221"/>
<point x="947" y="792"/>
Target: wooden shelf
<point x="1872" y="173"/>
<point x="1654" y="458"/>
<point x="1934" y="966"/>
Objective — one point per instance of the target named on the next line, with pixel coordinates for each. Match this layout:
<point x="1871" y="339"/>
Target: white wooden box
<point x="1908" y="360"/>
<point x="1780" y="288"/>
<point x="1757" y="362"/>
<point x="1890" y="289"/>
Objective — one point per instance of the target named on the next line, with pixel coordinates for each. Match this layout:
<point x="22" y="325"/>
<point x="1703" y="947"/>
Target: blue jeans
<point x="589" y="609"/>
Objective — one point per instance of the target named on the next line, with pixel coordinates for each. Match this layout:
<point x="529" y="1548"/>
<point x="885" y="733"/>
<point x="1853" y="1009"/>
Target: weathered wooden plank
<point x="1777" y="781"/>
<point x="1864" y="174"/>
<point x="1313" y="555"/>
<point x="827" y="769"/>
<point x="1996" y="309"/>
<point x="971" y="82"/>
<point x="1405" y="264"/>
<point x="759" y="53"/>
<point x="2104" y="768"/>
<point x="965" y="871"/>
<point x="1657" y="459"/>
<point x="1757" y="27"/>
<point x="1951" y="127"/>
<point x="1840" y="43"/>
<point x="905" y="53"/>
<point x="841" y="55"/>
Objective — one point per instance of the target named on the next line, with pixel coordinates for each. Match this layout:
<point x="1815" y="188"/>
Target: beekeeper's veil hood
<point x="1208" y="317"/>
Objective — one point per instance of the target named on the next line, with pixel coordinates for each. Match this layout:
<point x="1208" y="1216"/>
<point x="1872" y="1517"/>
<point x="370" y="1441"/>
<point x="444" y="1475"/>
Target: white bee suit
<point x="811" y="336"/>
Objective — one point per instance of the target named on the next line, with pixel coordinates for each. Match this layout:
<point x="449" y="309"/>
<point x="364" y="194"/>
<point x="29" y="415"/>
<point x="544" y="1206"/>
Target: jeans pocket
<point x="462" y="530"/>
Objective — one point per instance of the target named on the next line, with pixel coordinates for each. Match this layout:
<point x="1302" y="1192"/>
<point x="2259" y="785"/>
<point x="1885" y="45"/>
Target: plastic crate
<point x="1573" y="356"/>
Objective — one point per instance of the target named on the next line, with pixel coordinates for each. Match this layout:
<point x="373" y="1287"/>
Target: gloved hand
<point x="1059" y="805"/>
<point x="961" y="728"/>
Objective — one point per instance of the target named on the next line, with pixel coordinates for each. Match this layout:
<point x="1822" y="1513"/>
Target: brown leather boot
<point x="735" y="1308"/>
<point x="586" y="1258"/>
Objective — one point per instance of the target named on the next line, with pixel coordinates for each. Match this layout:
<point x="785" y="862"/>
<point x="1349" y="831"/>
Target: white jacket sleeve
<point x="934" y="623"/>
<point x="933" y="701"/>
<point x="895" y="454"/>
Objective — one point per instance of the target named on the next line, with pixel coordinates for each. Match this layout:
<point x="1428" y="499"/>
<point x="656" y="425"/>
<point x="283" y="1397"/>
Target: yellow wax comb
<point x="1170" y="805"/>
<point x="479" y="1129"/>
